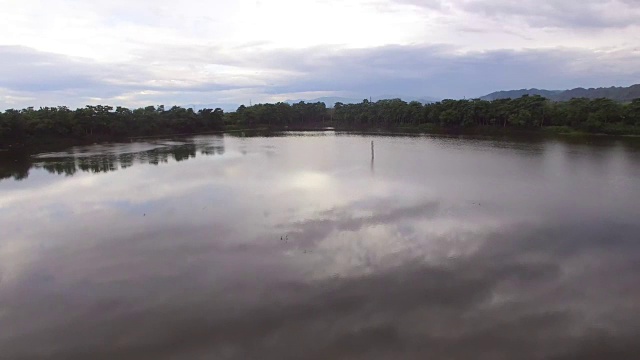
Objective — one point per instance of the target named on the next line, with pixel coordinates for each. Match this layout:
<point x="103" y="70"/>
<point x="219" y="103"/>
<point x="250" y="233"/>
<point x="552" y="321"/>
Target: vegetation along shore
<point x="527" y="113"/>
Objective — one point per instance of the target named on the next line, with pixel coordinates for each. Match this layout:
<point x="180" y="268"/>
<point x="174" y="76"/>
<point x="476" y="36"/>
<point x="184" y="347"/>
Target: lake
<point x="301" y="246"/>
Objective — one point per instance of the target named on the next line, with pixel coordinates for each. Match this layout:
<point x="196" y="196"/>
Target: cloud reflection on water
<point x="185" y="260"/>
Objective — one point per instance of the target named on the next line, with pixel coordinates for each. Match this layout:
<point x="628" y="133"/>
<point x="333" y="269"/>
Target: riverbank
<point x="50" y="143"/>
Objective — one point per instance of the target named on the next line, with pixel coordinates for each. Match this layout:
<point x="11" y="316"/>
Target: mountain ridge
<point x="622" y="94"/>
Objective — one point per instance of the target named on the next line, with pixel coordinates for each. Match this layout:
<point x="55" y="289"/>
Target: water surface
<point x="302" y="247"/>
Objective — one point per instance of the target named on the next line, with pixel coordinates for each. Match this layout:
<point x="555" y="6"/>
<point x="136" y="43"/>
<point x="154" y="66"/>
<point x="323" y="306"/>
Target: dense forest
<point x="526" y="113"/>
<point x="104" y="122"/>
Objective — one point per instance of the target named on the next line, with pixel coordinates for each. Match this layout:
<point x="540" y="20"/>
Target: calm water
<point x="302" y="247"/>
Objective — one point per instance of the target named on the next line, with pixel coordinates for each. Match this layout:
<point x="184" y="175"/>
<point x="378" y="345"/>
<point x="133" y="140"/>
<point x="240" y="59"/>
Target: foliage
<point x="104" y="122"/>
<point x="527" y="112"/>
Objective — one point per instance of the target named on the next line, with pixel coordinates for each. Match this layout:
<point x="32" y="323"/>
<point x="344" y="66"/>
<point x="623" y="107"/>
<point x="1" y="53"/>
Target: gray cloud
<point x="411" y="70"/>
<point x="584" y="14"/>
<point x="438" y="71"/>
<point x="580" y="14"/>
<point x="25" y="69"/>
<point x="31" y="73"/>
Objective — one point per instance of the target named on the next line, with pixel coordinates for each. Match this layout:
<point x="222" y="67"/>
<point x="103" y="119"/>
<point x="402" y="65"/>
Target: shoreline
<point x="43" y="144"/>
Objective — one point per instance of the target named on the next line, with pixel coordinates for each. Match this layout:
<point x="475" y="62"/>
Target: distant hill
<point x="622" y="94"/>
<point x="226" y="107"/>
<point x="422" y="99"/>
<point x="330" y="101"/>
<point x="327" y="100"/>
<point x="514" y="94"/>
<point x="615" y="93"/>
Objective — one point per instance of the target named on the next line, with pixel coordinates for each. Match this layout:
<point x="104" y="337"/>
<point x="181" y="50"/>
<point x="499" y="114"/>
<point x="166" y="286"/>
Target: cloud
<point x="443" y="72"/>
<point x="25" y="69"/>
<point x="214" y="74"/>
<point x="36" y="71"/>
<point x="587" y="14"/>
<point x="34" y="78"/>
<point x="232" y="52"/>
<point x="571" y="14"/>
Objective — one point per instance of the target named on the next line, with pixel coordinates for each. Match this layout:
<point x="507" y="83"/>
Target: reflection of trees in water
<point x="14" y="165"/>
<point x="184" y="152"/>
<point x="154" y="157"/>
<point x="98" y="164"/>
<point x="126" y="160"/>
<point x="212" y="150"/>
<point x="67" y="167"/>
<point x="17" y="165"/>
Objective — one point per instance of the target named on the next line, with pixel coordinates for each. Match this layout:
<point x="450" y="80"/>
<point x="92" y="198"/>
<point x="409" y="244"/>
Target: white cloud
<point x="114" y="30"/>
<point x="76" y="52"/>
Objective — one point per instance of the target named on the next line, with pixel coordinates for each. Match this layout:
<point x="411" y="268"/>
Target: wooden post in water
<point x="372" y="170"/>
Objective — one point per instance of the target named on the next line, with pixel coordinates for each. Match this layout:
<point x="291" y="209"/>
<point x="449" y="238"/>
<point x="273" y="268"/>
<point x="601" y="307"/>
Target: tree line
<point x="526" y="112"/>
<point x="105" y="122"/>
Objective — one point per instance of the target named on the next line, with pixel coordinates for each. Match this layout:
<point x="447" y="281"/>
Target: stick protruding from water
<point x="372" y="150"/>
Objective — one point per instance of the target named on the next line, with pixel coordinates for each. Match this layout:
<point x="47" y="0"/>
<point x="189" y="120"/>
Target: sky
<point x="225" y="53"/>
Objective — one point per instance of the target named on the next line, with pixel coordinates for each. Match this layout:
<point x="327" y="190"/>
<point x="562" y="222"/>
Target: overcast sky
<point x="150" y="52"/>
